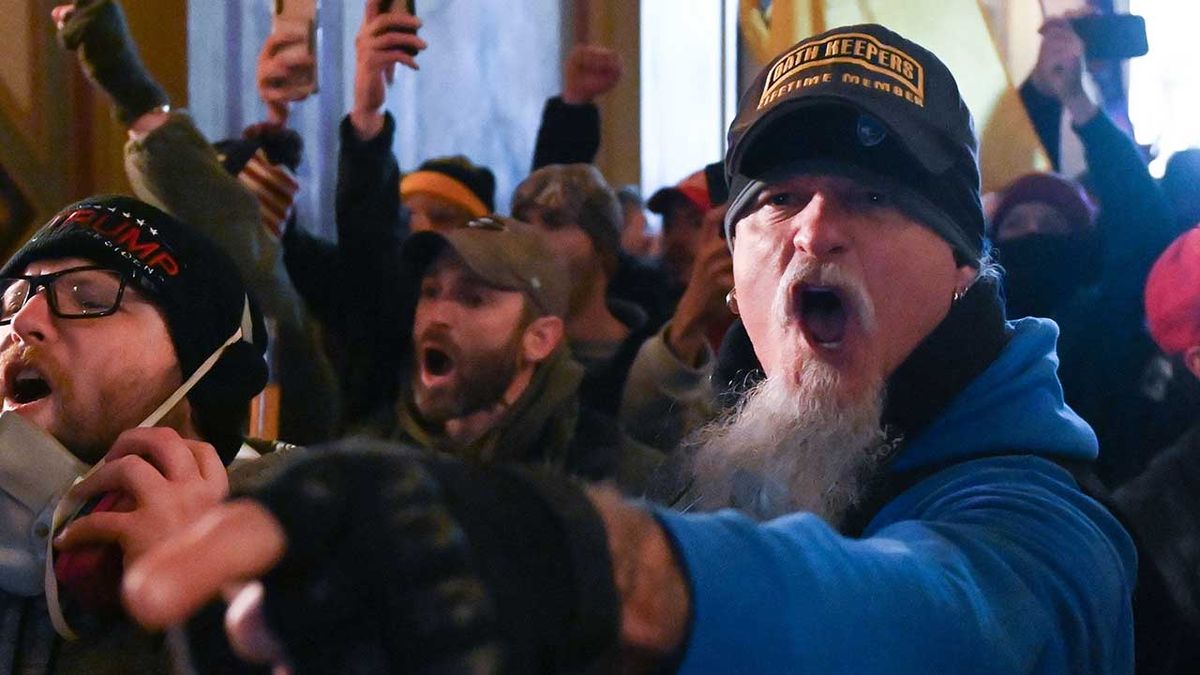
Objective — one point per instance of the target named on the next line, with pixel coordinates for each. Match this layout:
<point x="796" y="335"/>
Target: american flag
<point x="275" y="187"/>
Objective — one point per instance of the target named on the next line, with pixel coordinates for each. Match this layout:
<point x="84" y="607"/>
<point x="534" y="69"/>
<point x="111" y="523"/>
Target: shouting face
<point x="85" y="380"/>
<point x="467" y="341"/>
<point x="831" y="275"/>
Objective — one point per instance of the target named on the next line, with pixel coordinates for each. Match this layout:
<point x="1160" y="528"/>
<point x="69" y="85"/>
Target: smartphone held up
<point x="294" y="23"/>
<point x="410" y="6"/>
<point x="1111" y="36"/>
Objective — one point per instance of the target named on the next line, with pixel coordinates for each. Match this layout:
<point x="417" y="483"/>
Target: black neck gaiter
<point x="1042" y="272"/>
<point x="958" y="350"/>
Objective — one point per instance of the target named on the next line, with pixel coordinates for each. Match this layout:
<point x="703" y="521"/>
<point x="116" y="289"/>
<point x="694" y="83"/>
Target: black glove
<point x="97" y="29"/>
<point x="400" y="562"/>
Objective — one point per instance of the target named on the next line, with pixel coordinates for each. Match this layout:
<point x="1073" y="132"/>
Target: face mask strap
<point x="244" y="331"/>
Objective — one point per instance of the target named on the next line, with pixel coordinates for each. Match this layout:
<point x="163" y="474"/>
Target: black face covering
<point x="1042" y="272"/>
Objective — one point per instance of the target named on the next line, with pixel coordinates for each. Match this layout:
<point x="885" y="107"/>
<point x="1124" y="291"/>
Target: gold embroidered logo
<point x="899" y="73"/>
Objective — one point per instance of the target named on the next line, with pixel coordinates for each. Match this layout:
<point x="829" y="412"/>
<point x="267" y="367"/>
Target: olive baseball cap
<point x="865" y="102"/>
<point x="503" y="252"/>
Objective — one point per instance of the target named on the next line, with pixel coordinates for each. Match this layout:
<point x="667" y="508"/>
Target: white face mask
<point x="35" y="471"/>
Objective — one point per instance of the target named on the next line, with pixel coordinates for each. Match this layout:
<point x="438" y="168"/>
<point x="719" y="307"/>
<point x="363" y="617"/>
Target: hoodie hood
<point x="1013" y="394"/>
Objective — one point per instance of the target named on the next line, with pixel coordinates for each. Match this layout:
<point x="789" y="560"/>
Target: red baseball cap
<point x="694" y="188"/>
<point x="1173" y="295"/>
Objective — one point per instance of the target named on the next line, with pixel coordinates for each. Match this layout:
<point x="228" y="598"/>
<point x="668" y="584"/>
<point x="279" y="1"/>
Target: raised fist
<point x="589" y="71"/>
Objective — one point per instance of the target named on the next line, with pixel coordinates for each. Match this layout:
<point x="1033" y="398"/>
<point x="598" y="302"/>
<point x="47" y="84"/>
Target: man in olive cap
<point x="489" y="376"/>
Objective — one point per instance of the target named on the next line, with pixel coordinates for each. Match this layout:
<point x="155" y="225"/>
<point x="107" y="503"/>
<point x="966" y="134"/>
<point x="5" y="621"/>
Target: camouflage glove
<point x="400" y="562"/>
<point x="108" y="55"/>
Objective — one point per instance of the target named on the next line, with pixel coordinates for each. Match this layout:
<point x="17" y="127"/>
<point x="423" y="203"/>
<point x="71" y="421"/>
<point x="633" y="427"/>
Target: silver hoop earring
<point x="731" y="301"/>
<point x="958" y="293"/>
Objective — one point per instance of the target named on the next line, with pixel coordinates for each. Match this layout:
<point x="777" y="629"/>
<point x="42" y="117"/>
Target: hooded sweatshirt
<point x="995" y="564"/>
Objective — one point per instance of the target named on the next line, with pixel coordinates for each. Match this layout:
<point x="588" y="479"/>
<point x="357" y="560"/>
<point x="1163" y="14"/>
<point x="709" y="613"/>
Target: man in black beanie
<point x="114" y="317"/>
<point x="894" y="492"/>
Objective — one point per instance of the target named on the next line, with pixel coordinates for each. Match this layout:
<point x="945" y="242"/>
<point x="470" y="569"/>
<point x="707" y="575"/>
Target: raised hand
<point x="332" y="566"/>
<point x="163" y="482"/>
<point x="588" y="72"/>
<point x="1059" y="70"/>
<point x="384" y="40"/>
<point x="703" y="302"/>
<point x="97" y="31"/>
<point x="282" y="73"/>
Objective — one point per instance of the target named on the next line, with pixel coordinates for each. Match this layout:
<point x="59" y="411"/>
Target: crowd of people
<point x="835" y="417"/>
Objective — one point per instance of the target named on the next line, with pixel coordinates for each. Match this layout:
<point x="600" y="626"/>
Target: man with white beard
<point x="915" y="440"/>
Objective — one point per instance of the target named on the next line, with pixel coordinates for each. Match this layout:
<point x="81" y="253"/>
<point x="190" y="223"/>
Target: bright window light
<point x="686" y="86"/>
<point x="1164" y="92"/>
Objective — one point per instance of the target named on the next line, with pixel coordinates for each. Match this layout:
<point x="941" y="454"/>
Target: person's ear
<point x="1191" y="358"/>
<point x="541" y="338"/>
<point x="963" y="279"/>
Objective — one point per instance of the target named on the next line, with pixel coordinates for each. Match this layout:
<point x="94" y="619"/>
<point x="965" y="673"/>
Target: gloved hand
<point x="108" y="55"/>
<point x="400" y="562"/>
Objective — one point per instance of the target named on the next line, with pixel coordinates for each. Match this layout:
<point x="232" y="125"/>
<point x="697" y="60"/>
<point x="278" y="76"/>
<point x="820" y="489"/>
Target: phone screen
<point x="1111" y="36"/>
<point x="297" y="20"/>
<point x="409" y="5"/>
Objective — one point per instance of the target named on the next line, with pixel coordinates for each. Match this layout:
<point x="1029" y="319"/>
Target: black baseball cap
<point x="865" y="102"/>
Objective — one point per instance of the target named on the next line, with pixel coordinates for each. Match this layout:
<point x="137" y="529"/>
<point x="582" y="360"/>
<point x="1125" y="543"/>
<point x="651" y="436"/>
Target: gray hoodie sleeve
<point x="665" y="399"/>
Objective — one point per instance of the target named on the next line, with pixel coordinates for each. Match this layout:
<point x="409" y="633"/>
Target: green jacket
<point x="176" y="169"/>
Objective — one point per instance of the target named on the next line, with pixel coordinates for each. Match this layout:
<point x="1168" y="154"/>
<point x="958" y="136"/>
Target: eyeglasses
<point x="75" y="293"/>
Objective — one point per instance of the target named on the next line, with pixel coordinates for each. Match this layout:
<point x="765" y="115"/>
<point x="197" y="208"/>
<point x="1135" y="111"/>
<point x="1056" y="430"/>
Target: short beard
<point x="789" y="448"/>
<point x="482" y="381"/>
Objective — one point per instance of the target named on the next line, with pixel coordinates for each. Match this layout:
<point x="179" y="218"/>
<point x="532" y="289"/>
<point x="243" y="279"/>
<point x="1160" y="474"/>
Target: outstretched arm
<point x="961" y="575"/>
<point x="552" y="597"/>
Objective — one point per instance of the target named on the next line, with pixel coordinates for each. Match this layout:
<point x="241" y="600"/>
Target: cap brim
<point x="476" y="253"/>
<point x="921" y="143"/>
<point x="660" y="202"/>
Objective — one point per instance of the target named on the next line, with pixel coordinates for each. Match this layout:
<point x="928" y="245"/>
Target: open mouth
<point x="436" y="362"/>
<point x="26" y="385"/>
<point x="822" y="315"/>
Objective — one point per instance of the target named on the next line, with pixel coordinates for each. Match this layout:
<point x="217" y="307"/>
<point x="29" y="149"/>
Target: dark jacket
<point x="29" y="645"/>
<point x="345" y="285"/>
<point x="1162" y="508"/>
<point x="569" y="134"/>
<point x="1106" y="352"/>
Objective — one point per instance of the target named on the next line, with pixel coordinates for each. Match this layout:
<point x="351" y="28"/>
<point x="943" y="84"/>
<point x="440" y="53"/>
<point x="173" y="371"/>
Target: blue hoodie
<point x="993" y="565"/>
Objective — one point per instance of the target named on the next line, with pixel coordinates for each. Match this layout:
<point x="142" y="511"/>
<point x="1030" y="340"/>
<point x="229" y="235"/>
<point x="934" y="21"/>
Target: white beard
<point x="790" y="448"/>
